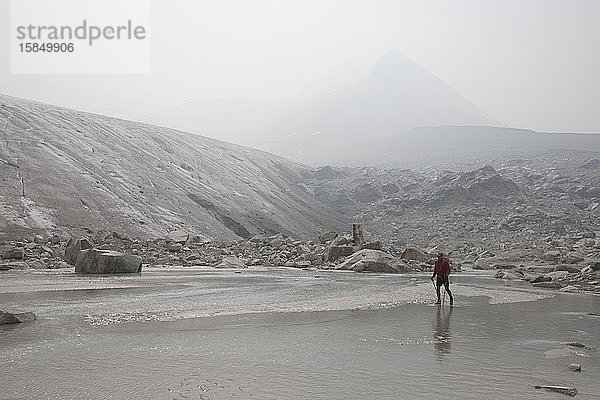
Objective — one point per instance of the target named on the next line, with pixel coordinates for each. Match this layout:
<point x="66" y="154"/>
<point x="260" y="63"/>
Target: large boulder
<point x="547" y="285"/>
<point x="74" y="247"/>
<point x="513" y="274"/>
<point x="311" y="257"/>
<point x="231" y="262"/>
<point x="540" y="278"/>
<point x="327" y="237"/>
<point x="334" y="252"/>
<point x="540" y="269"/>
<point x="573" y="258"/>
<point x="9" y="315"/>
<point x="342" y="241"/>
<point x="483" y="263"/>
<point x="557" y="275"/>
<point x="376" y="245"/>
<point x="95" y="261"/>
<point x="174" y="247"/>
<point x="178" y="236"/>
<point x="568" y="268"/>
<point x="551" y="255"/>
<point x="412" y="253"/>
<point x="372" y="261"/>
<point x="17" y="253"/>
<point x="39" y="239"/>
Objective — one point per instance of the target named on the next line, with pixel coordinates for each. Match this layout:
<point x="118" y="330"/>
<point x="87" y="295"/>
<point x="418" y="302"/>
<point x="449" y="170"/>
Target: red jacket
<point x="441" y="267"/>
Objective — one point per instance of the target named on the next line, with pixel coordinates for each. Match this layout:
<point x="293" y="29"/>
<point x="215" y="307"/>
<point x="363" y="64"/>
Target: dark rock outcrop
<point x="334" y="252"/>
<point x="413" y="253"/>
<point x="17" y="253"/>
<point x="74" y="247"/>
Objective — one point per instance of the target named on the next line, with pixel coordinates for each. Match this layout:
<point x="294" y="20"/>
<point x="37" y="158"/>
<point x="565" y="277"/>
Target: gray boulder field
<point x="413" y="253"/>
<point x="94" y="261"/>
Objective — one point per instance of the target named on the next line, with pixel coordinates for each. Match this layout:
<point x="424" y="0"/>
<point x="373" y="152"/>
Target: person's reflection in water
<point x="441" y="331"/>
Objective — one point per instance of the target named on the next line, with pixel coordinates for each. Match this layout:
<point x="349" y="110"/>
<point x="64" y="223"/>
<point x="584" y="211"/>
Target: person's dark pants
<point x="443" y="280"/>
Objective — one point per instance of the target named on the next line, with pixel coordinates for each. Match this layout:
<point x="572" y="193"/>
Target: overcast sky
<point x="527" y="63"/>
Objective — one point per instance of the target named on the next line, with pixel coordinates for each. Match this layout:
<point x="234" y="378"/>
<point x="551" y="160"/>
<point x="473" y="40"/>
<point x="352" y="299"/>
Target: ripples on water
<point x="291" y="334"/>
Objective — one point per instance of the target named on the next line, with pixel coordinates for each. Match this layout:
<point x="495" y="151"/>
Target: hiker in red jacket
<point x="442" y="270"/>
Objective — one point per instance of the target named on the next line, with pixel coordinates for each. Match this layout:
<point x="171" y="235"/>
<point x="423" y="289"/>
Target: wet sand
<point x="273" y="334"/>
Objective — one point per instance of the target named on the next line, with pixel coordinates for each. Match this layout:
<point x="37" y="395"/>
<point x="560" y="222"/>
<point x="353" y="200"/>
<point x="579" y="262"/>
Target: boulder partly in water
<point x="94" y="261"/>
<point x="9" y="315"/>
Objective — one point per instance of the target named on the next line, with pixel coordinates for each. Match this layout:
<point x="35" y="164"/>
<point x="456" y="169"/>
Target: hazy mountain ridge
<point x="62" y="168"/>
<point x="396" y="115"/>
<point x="466" y="147"/>
<point x="396" y="96"/>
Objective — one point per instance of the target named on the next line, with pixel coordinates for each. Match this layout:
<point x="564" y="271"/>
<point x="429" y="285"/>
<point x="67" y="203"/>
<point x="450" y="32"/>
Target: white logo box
<point x="80" y="36"/>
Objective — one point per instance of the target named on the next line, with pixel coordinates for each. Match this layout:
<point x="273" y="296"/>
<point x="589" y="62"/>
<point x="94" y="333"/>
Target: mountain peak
<point x="401" y="77"/>
<point x="398" y="95"/>
<point x="394" y="61"/>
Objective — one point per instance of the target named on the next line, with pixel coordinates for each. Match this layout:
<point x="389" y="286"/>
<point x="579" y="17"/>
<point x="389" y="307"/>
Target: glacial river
<point x="292" y="334"/>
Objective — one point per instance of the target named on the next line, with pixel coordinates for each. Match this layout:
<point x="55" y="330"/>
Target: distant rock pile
<point x="111" y="252"/>
<point x="567" y="277"/>
<point x="37" y="252"/>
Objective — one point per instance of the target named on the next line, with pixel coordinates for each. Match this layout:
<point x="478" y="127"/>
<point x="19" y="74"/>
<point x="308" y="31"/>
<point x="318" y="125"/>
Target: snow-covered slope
<point x="65" y="170"/>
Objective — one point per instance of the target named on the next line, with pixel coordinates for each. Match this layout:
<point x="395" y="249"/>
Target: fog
<point x="527" y="64"/>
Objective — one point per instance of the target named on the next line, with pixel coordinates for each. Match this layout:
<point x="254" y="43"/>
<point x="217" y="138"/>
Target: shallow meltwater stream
<point x="292" y="334"/>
